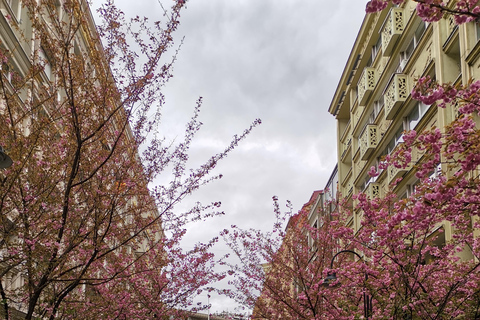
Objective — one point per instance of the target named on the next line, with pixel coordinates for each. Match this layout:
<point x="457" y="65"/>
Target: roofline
<point x="353" y="59"/>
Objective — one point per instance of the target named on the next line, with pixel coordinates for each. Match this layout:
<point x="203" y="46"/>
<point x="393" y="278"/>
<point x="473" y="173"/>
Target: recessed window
<point x="47" y="67"/>
<point x="16" y="7"/>
<point x="376" y="48"/>
<point x="477" y="30"/>
<point x="416" y="115"/>
<point x="396" y="139"/>
<point x="377" y="107"/>
<point x="410" y="48"/>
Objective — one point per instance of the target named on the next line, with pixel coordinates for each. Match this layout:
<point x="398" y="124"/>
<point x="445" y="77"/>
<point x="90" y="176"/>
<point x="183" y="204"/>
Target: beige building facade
<point x="373" y="105"/>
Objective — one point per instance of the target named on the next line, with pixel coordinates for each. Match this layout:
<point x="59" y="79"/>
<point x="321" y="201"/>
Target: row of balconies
<point x="395" y="94"/>
<point x="374" y="189"/>
<point x="368" y="142"/>
<point x="392" y="29"/>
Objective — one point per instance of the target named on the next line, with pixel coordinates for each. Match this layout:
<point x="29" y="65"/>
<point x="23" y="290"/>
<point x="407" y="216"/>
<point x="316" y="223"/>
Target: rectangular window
<point x="376" y="48"/>
<point x="375" y="51"/>
<point x="477" y="30"/>
<point x="47" y="67"/>
<point x="416" y="115"/>
<point x="396" y="139"/>
<point x="409" y="190"/>
<point x="407" y="53"/>
<point x="437" y="172"/>
<point x="16" y="8"/>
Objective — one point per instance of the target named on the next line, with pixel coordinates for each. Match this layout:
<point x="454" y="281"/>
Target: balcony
<point x="392" y="29"/>
<point x="347" y="184"/>
<point x="346" y="150"/>
<point x="373" y="190"/>
<point x="451" y="27"/>
<point x="368" y="140"/>
<point x="395" y="173"/>
<point x="395" y="95"/>
<point x="346" y="143"/>
<point x="366" y="84"/>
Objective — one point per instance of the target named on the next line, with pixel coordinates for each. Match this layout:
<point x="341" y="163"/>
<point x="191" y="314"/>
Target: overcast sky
<point x="277" y="60"/>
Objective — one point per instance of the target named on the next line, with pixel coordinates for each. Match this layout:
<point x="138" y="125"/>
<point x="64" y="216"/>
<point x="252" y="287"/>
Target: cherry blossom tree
<point x="280" y="273"/>
<point x="86" y="230"/>
<point x="434" y="10"/>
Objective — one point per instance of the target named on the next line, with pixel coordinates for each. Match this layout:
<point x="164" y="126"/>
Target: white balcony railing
<point x="395" y="94"/>
<point x="366" y="84"/>
<point x="373" y="190"/>
<point x="368" y="140"/>
<point x="392" y="29"/>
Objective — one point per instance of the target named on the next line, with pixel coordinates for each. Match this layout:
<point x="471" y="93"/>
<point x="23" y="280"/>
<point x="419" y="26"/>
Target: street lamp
<point x="332" y="277"/>
<point x="5" y="160"/>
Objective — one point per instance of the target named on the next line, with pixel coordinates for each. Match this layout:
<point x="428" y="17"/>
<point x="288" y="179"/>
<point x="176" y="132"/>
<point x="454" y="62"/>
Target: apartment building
<point x="372" y="103"/>
<point x="323" y="202"/>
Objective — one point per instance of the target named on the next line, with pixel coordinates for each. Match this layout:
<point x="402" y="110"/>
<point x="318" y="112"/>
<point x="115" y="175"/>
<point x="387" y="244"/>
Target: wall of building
<point x="373" y="105"/>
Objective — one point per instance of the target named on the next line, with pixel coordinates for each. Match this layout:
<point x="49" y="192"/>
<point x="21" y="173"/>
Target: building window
<point x="16" y="8"/>
<point x="376" y="48"/>
<point x="396" y="140"/>
<point x="436" y="239"/>
<point x="47" y="67"/>
<point x="416" y="115"/>
<point x="377" y="107"/>
<point x="437" y="172"/>
<point x="409" y="190"/>
<point x="477" y="30"/>
<point x="375" y="51"/>
<point x="5" y="69"/>
<point x="410" y="48"/>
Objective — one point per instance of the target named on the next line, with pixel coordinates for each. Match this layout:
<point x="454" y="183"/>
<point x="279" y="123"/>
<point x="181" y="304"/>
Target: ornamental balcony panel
<point x="451" y="26"/>
<point x="395" y="95"/>
<point x="366" y="84"/>
<point x="373" y="190"/>
<point x="368" y="141"/>
<point x="395" y="173"/>
<point x="392" y="29"/>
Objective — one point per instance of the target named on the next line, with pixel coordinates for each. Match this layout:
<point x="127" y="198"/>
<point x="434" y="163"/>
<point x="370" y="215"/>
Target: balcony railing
<point x="394" y="173"/>
<point x="373" y="190"/>
<point x="368" y="141"/>
<point x="392" y="29"/>
<point x="451" y="26"/>
<point x="395" y="94"/>
<point x="366" y="84"/>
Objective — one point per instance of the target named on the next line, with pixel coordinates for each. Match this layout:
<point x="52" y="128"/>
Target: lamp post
<point x="5" y="160"/>
<point x="332" y="277"/>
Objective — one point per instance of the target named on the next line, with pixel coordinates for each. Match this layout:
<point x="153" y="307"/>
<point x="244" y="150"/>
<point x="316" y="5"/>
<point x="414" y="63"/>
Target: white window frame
<point x="47" y="67"/>
<point x="16" y="7"/>
<point x="406" y="54"/>
<point x="421" y="109"/>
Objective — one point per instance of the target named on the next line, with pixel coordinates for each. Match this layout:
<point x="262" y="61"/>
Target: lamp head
<point x="331" y="278"/>
<point x="5" y="160"/>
